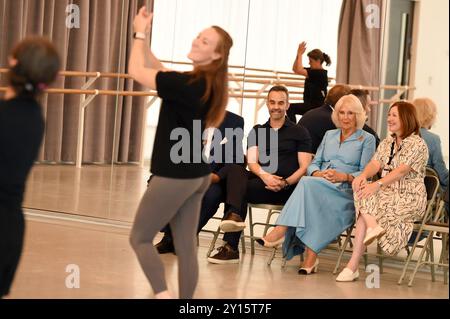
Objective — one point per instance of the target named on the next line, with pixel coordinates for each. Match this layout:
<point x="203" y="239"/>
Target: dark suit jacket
<point x="230" y="155"/>
<point x="232" y="121"/>
<point x="317" y="121"/>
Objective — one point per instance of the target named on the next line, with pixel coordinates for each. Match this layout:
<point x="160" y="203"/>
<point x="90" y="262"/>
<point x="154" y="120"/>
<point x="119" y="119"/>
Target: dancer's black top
<point x="315" y="87"/>
<point x="178" y="141"/>
<point x="21" y="132"/>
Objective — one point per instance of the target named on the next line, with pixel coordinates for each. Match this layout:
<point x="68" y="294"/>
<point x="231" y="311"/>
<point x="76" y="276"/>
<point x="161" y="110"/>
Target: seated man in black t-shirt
<point x="222" y="189"/>
<point x="278" y="154"/>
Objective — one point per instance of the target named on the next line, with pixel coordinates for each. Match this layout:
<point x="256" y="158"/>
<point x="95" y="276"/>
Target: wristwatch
<point x="139" y="35"/>
<point x="286" y="184"/>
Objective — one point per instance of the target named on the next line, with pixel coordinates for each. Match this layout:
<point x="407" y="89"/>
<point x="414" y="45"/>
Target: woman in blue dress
<point x="321" y="206"/>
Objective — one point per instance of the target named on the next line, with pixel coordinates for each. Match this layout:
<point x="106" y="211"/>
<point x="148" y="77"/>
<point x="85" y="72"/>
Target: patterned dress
<point x="398" y="205"/>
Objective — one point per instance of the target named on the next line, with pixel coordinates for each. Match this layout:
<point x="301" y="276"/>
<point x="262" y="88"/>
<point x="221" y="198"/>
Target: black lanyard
<point x="392" y="153"/>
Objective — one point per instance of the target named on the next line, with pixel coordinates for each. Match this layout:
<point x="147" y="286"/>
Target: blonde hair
<point x="355" y="105"/>
<point x="426" y="111"/>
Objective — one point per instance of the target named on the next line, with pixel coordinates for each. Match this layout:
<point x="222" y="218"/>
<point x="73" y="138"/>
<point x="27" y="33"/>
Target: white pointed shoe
<point x="372" y="234"/>
<point x="310" y="270"/>
<point x="347" y="275"/>
<point x="270" y="244"/>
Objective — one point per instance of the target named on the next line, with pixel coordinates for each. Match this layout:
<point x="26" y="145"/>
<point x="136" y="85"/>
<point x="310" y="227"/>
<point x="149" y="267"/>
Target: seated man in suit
<point x="364" y="98"/>
<point x="278" y="154"/>
<point x="222" y="153"/>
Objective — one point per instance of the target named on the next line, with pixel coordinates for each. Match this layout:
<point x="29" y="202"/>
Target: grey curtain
<point x="359" y="48"/>
<point x="113" y="125"/>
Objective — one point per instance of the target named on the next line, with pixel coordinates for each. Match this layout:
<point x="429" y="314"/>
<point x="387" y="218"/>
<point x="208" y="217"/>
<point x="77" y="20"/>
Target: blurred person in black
<point x="34" y="64"/>
<point x="316" y="81"/>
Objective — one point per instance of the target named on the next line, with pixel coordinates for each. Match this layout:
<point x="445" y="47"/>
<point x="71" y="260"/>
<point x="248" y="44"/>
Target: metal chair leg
<point x="445" y="257"/>
<point x="252" y="236"/>
<point x="213" y="242"/>
<point x="341" y="253"/>
<point x="283" y="263"/>
<point x="266" y="228"/>
<point x="441" y="257"/>
<point x="420" y="259"/>
<point x="433" y="273"/>
<point x="366" y="258"/>
<point x="243" y="243"/>
<point x="380" y="259"/>
<point x="410" y="255"/>
<point x="339" y="242"/>
<point x="272" y="256"/>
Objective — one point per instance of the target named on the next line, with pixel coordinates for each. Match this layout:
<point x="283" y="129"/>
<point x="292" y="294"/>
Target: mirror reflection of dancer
<point x="175" y="191"/>
<point x="316" y="81"/>
<point x="34" y="64"/>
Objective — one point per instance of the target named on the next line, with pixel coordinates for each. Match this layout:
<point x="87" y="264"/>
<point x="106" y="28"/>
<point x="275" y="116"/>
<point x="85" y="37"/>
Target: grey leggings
<point x="174" y="201"/>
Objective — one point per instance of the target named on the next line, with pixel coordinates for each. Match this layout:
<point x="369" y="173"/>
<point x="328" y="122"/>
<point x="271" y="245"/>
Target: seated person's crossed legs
<point x="255" y="193"/>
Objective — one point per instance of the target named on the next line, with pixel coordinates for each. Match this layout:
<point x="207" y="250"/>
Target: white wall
<point x="431" y="73"/>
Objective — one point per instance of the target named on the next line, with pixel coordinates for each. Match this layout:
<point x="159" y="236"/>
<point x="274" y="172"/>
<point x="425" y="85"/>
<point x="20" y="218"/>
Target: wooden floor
<point x="91" y="212"/>
<point x="109" y="269"/>
<point x="111" y="192"/>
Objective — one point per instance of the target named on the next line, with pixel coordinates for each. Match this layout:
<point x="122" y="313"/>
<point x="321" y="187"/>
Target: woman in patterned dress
<point x="386" y="209"/>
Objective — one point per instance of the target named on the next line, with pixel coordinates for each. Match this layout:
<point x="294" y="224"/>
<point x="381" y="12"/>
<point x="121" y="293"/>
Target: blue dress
<point x="318" y="210"/>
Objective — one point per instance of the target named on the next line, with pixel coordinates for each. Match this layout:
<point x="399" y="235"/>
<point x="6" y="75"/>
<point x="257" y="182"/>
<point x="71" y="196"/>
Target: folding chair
<point x="432" y="187"/>
<point x="216" y="234"/>
<point x="272" y="209"/>
<point x="438" y="224"/>
<point x="343" y="247"/>
<point x="432" y="172"/>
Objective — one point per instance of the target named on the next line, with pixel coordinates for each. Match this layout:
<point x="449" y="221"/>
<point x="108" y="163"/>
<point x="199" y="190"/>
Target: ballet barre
<point x="240" y="92"/>
<point x="95" y="92"/>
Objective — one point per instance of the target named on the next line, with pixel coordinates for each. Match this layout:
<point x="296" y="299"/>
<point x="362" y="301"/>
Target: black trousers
<point x="12" y="229"/>
<point x="228" y="191"/>
<point x="237" y="188"/>
<point x="298" y="108"/>
<point x="255" y="193"/>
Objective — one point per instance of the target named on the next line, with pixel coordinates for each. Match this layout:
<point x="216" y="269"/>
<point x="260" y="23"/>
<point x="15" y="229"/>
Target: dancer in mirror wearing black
<point x="316" y="81"/>
<point x="33" y="65"/>
<point x="191" y="101"/>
